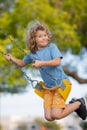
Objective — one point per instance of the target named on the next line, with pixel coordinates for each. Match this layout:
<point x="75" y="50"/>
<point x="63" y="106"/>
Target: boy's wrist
<point x="12" y="59"/>
<point x="45" y="63"/>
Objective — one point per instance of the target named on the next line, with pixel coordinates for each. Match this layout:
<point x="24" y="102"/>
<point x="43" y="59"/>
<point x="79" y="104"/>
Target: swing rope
<point x="12" y="40"/>
<point x="28" y="78"/>
<point x="24" y="73"/>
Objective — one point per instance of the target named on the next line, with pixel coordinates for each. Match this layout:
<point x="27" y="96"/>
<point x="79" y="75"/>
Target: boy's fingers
<point x="33" y="64"/>
<point x="33" y="61"/>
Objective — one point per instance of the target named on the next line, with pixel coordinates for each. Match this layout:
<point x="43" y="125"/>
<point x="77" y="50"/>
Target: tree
<point x="66" y="20"/>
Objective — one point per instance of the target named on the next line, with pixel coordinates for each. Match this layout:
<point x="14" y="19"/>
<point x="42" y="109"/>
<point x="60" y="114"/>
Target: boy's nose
<point x="44" y="38"/>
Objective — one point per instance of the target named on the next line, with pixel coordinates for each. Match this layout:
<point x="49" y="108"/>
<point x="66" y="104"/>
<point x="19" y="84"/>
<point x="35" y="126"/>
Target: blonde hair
<point x="33" y="27"/>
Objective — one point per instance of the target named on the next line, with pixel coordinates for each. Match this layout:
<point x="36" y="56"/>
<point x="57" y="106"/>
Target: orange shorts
<point x="52" y="99"/>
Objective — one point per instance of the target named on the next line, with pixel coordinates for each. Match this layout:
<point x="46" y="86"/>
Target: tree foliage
<point x="67" y="21"/>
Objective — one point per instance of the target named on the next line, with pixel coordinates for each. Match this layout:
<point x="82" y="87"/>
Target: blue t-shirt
<point x="51" y="75"/>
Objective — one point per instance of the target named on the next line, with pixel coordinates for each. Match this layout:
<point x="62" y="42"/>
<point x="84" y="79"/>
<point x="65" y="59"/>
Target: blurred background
<point x="20" y="107"/>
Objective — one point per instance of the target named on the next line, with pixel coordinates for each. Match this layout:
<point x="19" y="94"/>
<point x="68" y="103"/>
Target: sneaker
<point x="82" y="110"/>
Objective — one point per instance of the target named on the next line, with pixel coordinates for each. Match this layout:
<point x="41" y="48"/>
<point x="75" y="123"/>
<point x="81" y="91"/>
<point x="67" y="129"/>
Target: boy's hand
<point x="37" y="64"/>
<point x="8" y="57"/>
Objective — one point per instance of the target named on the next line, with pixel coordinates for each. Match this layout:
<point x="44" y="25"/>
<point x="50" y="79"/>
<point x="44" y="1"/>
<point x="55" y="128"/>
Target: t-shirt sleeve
<point x="27" y="59"/>
<point x="55" y="51"/>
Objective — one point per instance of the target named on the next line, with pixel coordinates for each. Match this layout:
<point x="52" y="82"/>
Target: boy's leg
<point x="59" y="113"/>
<point x="55" y="108"/>
<point x="59" y="109"/>
<point x="48" y="99"/>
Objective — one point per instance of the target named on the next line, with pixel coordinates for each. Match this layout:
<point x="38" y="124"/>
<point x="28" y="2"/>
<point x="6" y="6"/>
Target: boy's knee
<point x="48" y="118"/>
<point x="56" y="116"/>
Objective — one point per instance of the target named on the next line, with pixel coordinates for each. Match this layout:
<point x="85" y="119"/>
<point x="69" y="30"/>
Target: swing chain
<point x="12" y="41"/>
<point x="28" y="78"/>
<point x="2" y="53"/>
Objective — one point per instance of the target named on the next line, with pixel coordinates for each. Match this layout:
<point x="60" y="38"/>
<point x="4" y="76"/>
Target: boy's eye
<point x="40" y="36"/>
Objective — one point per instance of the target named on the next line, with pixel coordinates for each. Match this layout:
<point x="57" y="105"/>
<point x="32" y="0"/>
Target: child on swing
<point x="44" y="54"/>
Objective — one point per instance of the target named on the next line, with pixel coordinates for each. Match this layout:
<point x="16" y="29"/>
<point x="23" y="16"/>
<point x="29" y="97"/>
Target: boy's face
<point x="42" y="39"/>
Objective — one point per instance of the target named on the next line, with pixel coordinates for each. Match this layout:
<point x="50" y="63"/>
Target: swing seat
<point x="64" y="90"/>
<point x="39" y="90"/>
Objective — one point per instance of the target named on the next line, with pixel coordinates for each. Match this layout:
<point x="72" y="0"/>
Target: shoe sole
<point x="85" y="105"/>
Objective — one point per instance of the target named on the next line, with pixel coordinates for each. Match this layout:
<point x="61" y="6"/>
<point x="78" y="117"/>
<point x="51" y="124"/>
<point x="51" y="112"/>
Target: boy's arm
<point x="19" y="62"/>
<point x="53" y="62"/>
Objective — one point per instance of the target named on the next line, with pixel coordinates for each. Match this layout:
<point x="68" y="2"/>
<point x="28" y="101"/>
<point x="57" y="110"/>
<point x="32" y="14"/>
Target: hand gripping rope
<point x="28" y="78"/>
